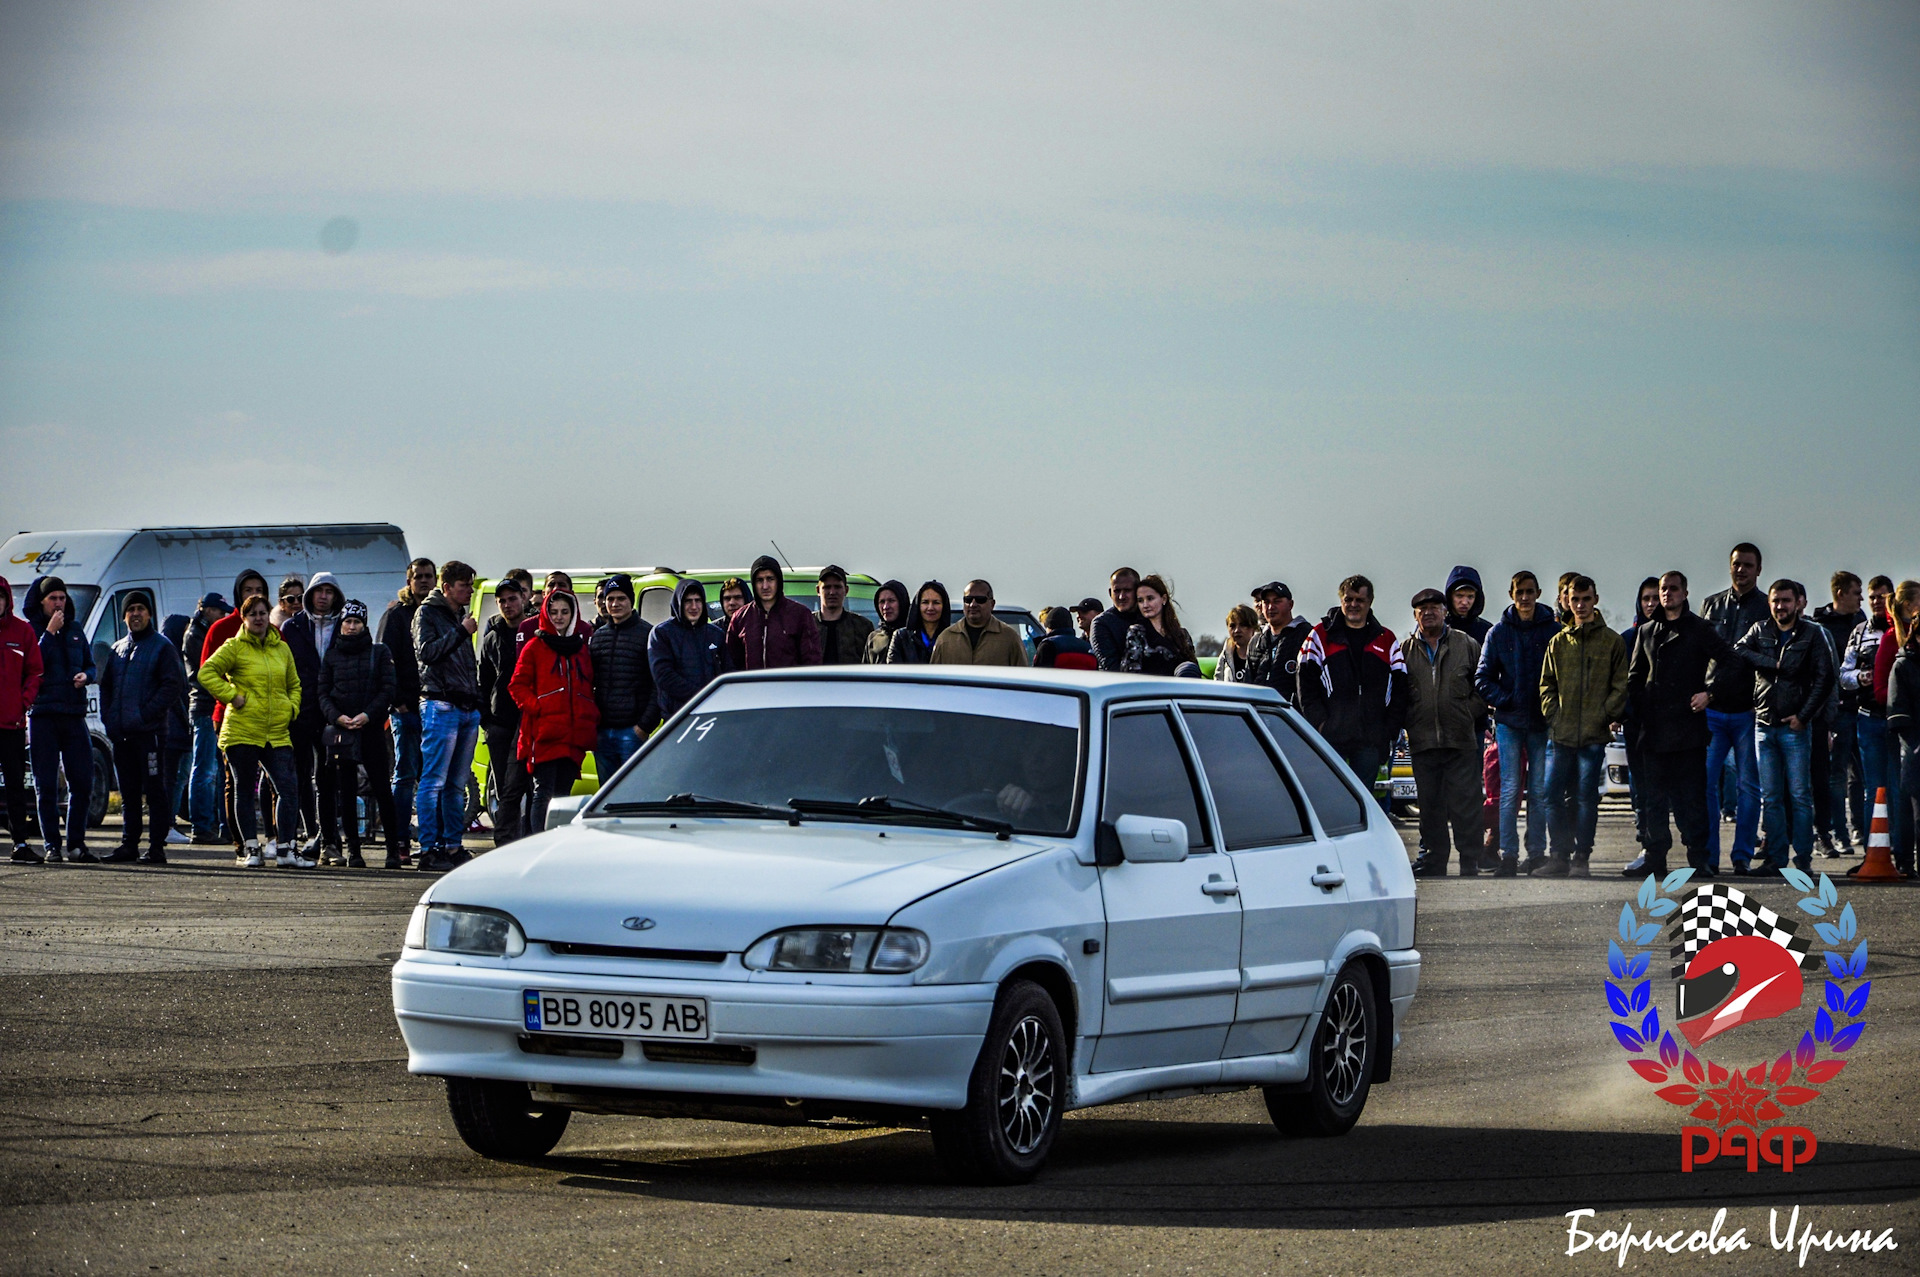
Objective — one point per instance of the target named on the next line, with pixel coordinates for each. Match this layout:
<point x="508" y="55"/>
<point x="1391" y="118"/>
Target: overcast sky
<point x="1228" y="292"/>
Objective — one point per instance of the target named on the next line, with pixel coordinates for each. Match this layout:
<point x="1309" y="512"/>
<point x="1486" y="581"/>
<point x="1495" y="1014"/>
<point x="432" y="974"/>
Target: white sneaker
<point x="253" y="859"/>
<point x="175" y="836"/>
<point x="294" y="860"/>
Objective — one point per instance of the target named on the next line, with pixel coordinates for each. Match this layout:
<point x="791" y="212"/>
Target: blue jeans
<point x="57" y="742"/>
<point x="203" y="780"/>
<point x="1786" y="778"/>
<point x="405" y="726"/>
<point x="1523" y="755"/>
<point x="447" y="740"/>
<point x="1574" y="774"/>
<point x="1879" y="763"/>
<point x="1733" y="735"/>
<point x="615" y="746"/>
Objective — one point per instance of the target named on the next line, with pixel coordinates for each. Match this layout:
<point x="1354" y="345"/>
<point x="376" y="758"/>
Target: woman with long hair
<point x="1896" y="683"/>
<point x="913" y="642"/>
<point x="1156" y="643"/>
<point x="357" y="684"/>
<point x="553" y="686"/>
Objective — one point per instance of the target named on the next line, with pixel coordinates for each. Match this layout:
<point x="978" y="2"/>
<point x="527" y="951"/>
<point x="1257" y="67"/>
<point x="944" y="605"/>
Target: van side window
<point x="1148" y="775"/>
<point x="1255" y="804"/>
<point x="1341" y="811"/>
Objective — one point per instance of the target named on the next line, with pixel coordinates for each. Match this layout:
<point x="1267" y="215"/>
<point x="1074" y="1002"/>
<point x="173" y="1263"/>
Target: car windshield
<point x="987" y="753"/>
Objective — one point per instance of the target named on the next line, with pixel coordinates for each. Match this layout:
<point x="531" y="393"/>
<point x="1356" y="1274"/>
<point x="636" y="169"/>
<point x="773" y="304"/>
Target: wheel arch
<point x="1374" y="963"/>
<point x="1058" y="983"/>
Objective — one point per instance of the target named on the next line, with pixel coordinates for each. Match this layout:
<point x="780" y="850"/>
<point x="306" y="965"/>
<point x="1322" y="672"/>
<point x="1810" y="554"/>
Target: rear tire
<point x="1340" y="1063"/>
<point x="1014" y="1098"/>
<point x="499" y="1120"/>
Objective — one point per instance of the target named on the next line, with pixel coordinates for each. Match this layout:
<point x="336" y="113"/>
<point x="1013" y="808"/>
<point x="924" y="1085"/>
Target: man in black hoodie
<point x="1465" y="602"/>
<point x="1110" y="628"/>
<point x="1732" y="612"/>
<point x="890" y="603"/>
<point x="622" y="683"/>
<point x="500" y="717"/>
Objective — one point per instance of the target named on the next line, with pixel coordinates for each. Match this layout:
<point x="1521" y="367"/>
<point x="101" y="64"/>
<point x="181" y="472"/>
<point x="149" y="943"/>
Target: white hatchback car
<point x="956" y="899"/>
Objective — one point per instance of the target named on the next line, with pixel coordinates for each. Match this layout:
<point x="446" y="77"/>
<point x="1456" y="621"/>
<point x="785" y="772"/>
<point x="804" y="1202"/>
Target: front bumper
<point x="907" y="1045"/>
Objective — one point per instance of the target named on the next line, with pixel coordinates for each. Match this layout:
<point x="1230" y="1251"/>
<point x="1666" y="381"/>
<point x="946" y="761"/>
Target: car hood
<point x="717" y="885"/>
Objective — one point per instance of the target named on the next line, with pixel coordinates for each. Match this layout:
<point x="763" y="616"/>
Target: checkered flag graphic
<point x="1715" y="911"/>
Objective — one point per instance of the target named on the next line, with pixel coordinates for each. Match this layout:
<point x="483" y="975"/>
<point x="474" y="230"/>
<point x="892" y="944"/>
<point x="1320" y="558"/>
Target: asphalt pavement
<point x="200" y="1072"/>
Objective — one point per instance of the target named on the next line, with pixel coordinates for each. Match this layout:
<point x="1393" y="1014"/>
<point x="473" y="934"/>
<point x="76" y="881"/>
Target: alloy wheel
<point x="1027" y="1085"/>
<point x="1344" y="1049"/>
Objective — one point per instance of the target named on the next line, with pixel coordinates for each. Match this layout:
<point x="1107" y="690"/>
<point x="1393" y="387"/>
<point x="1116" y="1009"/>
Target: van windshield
<point x="83" y="596"/>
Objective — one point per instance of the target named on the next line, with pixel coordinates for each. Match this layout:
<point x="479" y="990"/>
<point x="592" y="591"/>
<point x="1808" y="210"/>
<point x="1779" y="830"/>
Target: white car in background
<point x="963" y="900"/>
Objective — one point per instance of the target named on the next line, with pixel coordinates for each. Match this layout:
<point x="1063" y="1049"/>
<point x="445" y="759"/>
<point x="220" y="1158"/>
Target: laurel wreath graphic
<point x="1761" y="1092"/>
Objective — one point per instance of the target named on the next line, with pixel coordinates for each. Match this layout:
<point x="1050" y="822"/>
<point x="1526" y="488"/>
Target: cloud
<point x="420" y="275"/>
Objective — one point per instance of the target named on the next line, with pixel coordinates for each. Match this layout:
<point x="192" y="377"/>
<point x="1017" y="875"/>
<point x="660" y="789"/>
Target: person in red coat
<point x="20" y="671"/>
<point x="553" y="686"/>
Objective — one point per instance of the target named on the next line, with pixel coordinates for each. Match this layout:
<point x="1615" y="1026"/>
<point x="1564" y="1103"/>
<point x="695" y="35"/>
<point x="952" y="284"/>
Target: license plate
<point x="616" y="1015"/>
<point x="1403" y="788"/>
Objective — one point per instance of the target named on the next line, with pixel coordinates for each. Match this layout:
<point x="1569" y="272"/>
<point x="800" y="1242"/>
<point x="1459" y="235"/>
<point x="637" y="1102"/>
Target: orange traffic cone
<point x="1878" y="866"/>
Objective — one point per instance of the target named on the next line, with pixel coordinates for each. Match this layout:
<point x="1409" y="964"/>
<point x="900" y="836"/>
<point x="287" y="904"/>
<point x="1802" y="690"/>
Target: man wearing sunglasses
<point x="980" y="639"/>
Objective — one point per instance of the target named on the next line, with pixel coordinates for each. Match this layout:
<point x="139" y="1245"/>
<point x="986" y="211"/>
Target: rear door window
<point x="1251" y="797"/>
<point x="1341" y="810"/>
<point x="1148" y="775"/>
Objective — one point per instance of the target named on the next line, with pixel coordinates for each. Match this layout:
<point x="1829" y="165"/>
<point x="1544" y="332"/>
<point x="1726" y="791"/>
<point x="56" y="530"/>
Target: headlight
<point x="889" y="950"/>
<point x="465" y="929"/>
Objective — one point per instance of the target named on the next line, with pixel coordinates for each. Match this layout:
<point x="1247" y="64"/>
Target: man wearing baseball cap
<point x="1086" y="612"/>
<point x="1273" y="655"/>
<point x="1443" y="734"/>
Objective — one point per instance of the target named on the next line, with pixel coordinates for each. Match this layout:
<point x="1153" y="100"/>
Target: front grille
<point x="697" y="1053"/>
<point x="566" y="1044"/>
<point x="566" y="949"/>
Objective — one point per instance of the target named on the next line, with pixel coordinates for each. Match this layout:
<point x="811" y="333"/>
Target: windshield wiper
<point x="698" y="804"/>
<point x="881" y="806"/>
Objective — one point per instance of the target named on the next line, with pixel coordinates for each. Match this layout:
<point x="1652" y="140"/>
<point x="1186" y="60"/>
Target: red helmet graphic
<point x="1735" y="981"/>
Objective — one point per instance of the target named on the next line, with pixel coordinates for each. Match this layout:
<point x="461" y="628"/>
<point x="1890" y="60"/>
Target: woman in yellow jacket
<point x="252" y="674"/>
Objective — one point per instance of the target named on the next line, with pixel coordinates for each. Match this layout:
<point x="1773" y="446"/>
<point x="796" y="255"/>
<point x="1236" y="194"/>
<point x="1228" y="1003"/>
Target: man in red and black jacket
<point x="1353" y="681"/>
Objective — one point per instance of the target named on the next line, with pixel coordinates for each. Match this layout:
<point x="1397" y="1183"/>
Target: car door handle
<point x="1214" y="887"/>
<point x="1327" y="880"/>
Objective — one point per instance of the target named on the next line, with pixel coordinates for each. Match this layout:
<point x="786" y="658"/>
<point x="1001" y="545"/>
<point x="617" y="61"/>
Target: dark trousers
<point x="1846" y="806"/>
<point x="248" y="761"/>
<point x="139" y="761"/>
<point x="552" y="779"/>
<point x="1822" y="764"/>
<point x="512" y="789"/>
<point x="1447" y="783"/>
<point x="13" y="770"/>
<point x="57" y="743"/>
<point x="1636" y="759"/>
<point x="346" y="783"/>
<point x="315" y="779"/>
<point x="1906" y="810"/>
<point x="1674" y="782"/>
<point x="1365" y="761"/>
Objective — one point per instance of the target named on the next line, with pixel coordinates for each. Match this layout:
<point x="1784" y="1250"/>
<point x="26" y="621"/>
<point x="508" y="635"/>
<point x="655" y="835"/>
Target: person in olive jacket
<point x="57" y="736"/>
<point x="1667" y="681"/>
<point x="1793" y="678"/>
<point x="142" y="682"/>
<point x="1443" y="736"/>
<point x="1583" y="692"/>
<point x="357" y="683"/>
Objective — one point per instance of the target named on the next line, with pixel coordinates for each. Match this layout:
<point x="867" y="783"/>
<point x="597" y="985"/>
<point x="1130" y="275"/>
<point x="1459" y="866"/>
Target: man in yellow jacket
<point x="1583" y="692"/>
<point x="253" y="675"/>
<point x="980" y="639"/>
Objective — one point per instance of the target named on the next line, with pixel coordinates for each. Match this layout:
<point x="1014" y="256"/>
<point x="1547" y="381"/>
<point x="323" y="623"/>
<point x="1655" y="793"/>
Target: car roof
<point x="1100" y="685"/>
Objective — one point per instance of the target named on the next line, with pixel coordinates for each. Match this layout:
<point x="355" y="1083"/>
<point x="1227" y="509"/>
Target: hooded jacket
<point x="309" y="634"/>
<point x="1730" y="683"/>
<point x="223" y="629"/>
<point x="1510" y="661"/>
<point x="685" y="656"/>
<point x="62" y="655"/>
<point x="882" y="637"/>
<point x="1793" y="674"/>
<point x="553" y="686"/>
<point x="622" y="683"/>
<point x="20" y="665"/>
<point x="1444" y="708"/>
<point x="449" y="670"/>
<point x="1666" y="670"/>
<point x="499" y="653"/>
<point x="775" y="638"/>
<point x="1472" y="624"/>
<point x="1583" y="684"/>
<point x="142" y="683"/>
<point x="1353" y="684"/>
<point x="356" y="677"/>
<point x="263" y="669"/>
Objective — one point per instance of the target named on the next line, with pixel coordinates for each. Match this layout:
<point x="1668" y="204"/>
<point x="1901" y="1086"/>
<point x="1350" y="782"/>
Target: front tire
<point x="1340" y="1063"/>
<point x="1014" y="1098"/>
<point x="498" y="1119"/>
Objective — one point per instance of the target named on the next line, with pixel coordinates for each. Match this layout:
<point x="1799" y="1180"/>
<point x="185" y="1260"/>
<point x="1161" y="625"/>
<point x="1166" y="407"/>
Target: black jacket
<point x="200" y="701"/>
<point x="1353" y="683"/>
<point x="1110" y="637"/>
<point x="1730" y="683"/>
<point x="1049" y="649"/>
<point x="1903" y="696"/>
<point x="684" y="657"/>
<point x="1273" y="660"/>
<point x="396" y="635"/>
<point x="1668" y="666"/>
<point x="142" y="683"/>
<point x="850" y="635"/>
<point x="909" y="646"/>
<point x="299" y="634"/>
<point x="1792" y="671"/>
<point x="499" y="650"/>
<point x="1510" y="661"/>
<point x="356" y="678"/>
<point x="622" y="682"/>
<point x="62" y="655"/>
<point x="448" y="669"/>
<point x="1148" y="652"/>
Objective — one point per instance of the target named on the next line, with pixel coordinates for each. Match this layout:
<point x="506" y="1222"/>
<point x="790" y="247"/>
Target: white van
<point x="180" y="565"/>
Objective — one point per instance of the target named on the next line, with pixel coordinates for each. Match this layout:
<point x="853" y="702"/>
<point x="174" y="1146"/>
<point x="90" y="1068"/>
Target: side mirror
<point x="561" y="811"/>
<point x="1149" y="840"/>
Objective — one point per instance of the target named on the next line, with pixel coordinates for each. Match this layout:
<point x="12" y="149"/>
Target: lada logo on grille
<point x="638" y="924"/>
